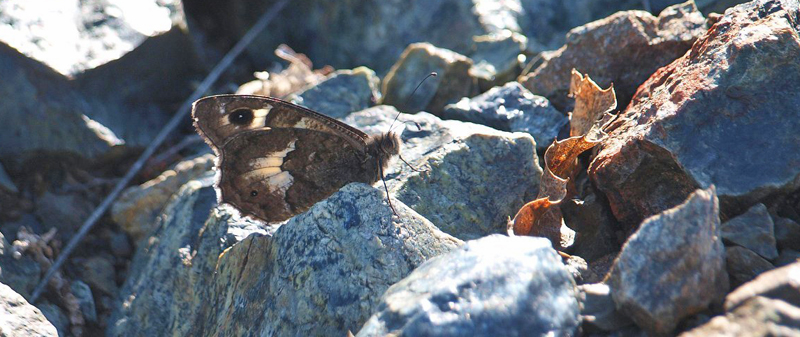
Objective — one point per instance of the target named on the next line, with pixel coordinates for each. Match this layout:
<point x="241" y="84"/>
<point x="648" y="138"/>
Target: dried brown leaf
<point x="591" y="102"/>
<point x="298" y="75"/>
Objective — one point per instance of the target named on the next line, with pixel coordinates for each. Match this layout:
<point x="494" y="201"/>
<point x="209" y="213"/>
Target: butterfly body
<point x="277" y="159"/>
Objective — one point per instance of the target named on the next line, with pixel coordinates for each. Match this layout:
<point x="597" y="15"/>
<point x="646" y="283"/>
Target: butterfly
<point x="276" y="159"/>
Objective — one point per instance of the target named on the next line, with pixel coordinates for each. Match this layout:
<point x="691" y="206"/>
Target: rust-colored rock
<point x="724" y="114"/>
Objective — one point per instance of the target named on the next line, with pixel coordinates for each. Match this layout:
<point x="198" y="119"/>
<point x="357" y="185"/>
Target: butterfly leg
<point x="409" y="165"/>
<point x="388" y="198"/>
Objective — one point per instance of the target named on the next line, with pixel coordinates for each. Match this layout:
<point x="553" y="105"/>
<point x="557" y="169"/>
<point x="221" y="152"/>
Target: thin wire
<point x="162" y="135"/>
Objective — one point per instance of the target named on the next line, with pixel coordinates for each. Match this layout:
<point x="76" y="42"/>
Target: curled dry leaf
<point x="297" y="76"/>
<point x="542" y="217"/>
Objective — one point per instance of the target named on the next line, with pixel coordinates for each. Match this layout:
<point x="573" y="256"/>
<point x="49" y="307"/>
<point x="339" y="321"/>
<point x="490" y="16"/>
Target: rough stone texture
<point x="83" y="294"/>
<point x="66" y="211"/>
<point x="598" y="312"/>
<point x="138" y="207"/>
<point x="21" y="274"/>
<point x="494" y="286"/>
<point x="496" y="58"/>
<point x="753" y="230"/>
<point x="718" y="115"/>
<point x="511" y="108"/>
<point x="453" y="82"/>
<point x="320" y="273"/>
<point x="623" y="49"/>
<point x="743" y="265"/>
<point x="758" y="317"/>
<point x="673" y="266"/>
<point x="781" y="283"/>
<point x="19" y="318"/>
<point x="343" y="92"/>
<point x="474" y="177"/>
<point x="42" y="112"/>
<point x="787" y="233"/>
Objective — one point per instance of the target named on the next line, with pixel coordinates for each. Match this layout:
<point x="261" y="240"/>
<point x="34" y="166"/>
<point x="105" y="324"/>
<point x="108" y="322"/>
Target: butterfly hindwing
<point x="274" y="173"/>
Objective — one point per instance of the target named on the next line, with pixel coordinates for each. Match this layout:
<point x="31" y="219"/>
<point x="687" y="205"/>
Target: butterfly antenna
<point x="432" y="74"/>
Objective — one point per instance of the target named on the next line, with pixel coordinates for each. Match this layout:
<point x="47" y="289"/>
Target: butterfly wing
<point x="217" y="118"/>
<point x="275" y="173"/>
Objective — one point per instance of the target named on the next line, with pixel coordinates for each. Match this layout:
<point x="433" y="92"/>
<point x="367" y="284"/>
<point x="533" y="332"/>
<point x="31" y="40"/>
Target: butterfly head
<point x="385" y="145"/>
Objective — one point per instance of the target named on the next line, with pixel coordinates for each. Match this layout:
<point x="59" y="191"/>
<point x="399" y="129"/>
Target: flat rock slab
<point x="758" y="317"/>
<point x="494" y="286"/>
<point x="718" y="115"/>
<point x="673" y="266"/>
<point x="781" y="283"/>
<point x="753" y="230"/>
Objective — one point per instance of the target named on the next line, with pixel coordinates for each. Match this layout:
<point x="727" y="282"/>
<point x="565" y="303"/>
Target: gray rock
<point x="511" y="108"/>
<point x="598" y="311"/>
<point x="623" y="49"/>
<point x="475" y="177"/>
<point x="680" y="125"/>
<point x="787" y="233"/>
<point x="780" y="283"/>
<point x="758" y="317"/>
<point x="453" y="82"/>
<point x="494" y="286"/>
<point x="138" y="207"/>
<point x="320" y="273"/>
<point x="85" y="299"/>
<point x="743" y="265"/>
<point x="19" y="318"/>
<point x="673" y="267"/>
<point x="787" y="257"/>
<point x="496" y="58"/>
<point x="20" y="273"/>
<point x="66" y="212"/>
<point x="82" y="35"/>
<point x="753" y="230"/>
<point x="98" y="271"/>
<point x="343" y="92"/>
<point x="5" y="181"/>
<point x="54" y="316"/>
<point x="43" y="113"/>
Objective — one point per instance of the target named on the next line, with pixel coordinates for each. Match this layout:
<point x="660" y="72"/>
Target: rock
<point x="787" y="233"/>
<point x="55" y="316"/>
<point x="623" y="49"/>
<point x="84" y="296"/>
<point x="43" y="113"/>
<point x="781" y="283"/>
<point x="98" y="272"/>
<point x="474" y="177"/>
<point x="343" y="92"/>
<point x="678" y="131"/>
<point x="595" y="227"/>
<point x="673" y="267"/>
<point x="138" y="207"/>
<point x="66" y="212"/>
<point x="753" y="230"/>
<point x="6" y="183"/>
<point x="21" y="274"/>
<point x="787" y="257"/>
<point x="598" y="311"/>
<point x="744" y="265"/>
<point x="19" y="318"/>
<point x="320" y="273"/>
<point x="417" y="61"/>
<point x="496" y="58"/>
<point x="494" y="286"/>
<point x="758" y="316"/>
<point x="580" y="271"/>
<point x="511" y="108"/>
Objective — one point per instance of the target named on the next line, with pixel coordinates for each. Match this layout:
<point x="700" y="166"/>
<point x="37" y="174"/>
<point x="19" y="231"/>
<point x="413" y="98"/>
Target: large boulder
<point x="724" y="114"/>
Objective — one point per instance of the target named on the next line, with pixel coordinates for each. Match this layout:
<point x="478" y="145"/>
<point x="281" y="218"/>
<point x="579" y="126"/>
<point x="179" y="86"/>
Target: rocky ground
<point x="681" y="218"/>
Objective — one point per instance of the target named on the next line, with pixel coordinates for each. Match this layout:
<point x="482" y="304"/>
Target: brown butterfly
<point x="276" y="159"/>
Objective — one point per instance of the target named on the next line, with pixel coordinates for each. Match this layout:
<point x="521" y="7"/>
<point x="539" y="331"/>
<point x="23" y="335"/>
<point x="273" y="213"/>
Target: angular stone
<point x="623" y="49"/>
<point x="98" y="272"/>
<point x="83" y="294"/>
<point x="673" y="267"/>
<point x="474" y="177"/>
<point x="6" y="183"/>
<point x="138" y="207"/>
<point x="787" y="233"/>
<point x="496" y="58"/>
<point x="494" y="286"/>
<point x="418" y="61"/>
<point x="787" y="257"/>
<point x="598" y="310"/>
<point x="343" y="92"/>
<point x="758" y="317"/>
<point x="511" y="108"/>
<point x="744" y="265"/>
<point x="320" y="273"/>
<point x="781" y="283"/>
<point x="753" y="230"/>
<point x="20" y="318"/>
<point x="715" y="116"/>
